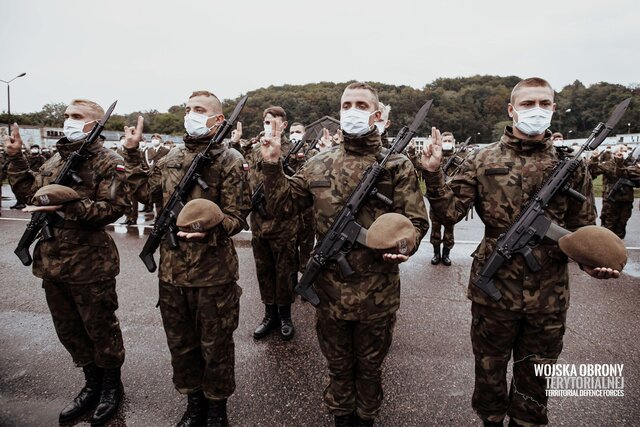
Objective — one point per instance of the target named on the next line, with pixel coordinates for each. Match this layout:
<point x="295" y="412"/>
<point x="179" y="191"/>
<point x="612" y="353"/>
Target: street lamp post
<point x="9" y="98"/>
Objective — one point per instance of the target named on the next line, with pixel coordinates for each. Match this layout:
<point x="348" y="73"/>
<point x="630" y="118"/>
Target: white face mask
<point x="447" y="146"/>
<point x="354" y="121"/>
<point x="533" y="121"/>
<point x="155" y="142"/>
<point x="267" y="130"/>
<point x="196" y="124"/>
<point x="558" y="143"/>
<point x="295" y="137"/>
<point x="74" y="130"/>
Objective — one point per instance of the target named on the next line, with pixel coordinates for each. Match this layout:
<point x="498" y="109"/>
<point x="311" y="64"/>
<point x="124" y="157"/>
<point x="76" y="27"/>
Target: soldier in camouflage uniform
<point x="616" y="210"/>
<point x="307" y="233"/>
<point x="274" y="241"/>
<point x="356" y="316"/>
<point x="199" y="296"/>
<point x="79" y="265"/>
<point x="529" y="320"/>
<point x="448" y="144"/>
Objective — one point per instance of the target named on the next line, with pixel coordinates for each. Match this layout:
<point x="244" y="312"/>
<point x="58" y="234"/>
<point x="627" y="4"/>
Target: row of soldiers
<point x="199" y="295"/>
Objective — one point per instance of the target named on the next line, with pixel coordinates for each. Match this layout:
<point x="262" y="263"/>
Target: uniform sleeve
<point x="408" y="200"/>
<point x="235" y="197"/>
<point x="145" y="184"/>
<point x="110" y="198"/>
<point x="451" y="201"/>
<point x="286" y="196"/>
<point x="21" y="178"/>
<point x="580" y="213"/>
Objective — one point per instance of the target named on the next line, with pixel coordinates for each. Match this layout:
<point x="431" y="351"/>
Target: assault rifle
<point x="166" y="221"/>
<point x="454" y="157"/>
<point x="531" y="225"/>
<point x="258" y="199"/>
<point x="41" y="221"/>
<point x="634" y="157"/>
<point x="345" y="230"/>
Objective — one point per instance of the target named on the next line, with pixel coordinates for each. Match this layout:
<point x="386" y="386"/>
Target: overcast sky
<point x="152" y="54"/>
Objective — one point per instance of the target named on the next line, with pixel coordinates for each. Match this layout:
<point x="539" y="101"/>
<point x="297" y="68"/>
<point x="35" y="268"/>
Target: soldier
<point x="131" y="213"/>
<point x="79" y="264"/>
<point x="448" y="145"/>
<point x="274" y="241"/>
<point x="307" y="233"/>
<point x="152" y="155"/>
<point x="199" y="296"/>
<point x="529" y="320"/>
<point x="356" y="316"/>
<point x="616" y="208"/>
<point x="35" y="158"/>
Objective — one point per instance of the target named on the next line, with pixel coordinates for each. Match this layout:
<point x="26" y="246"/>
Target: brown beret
<point x="199" y="215"/>
<point x="392" y="231"/>
<point x="594" y="247"/>
<point x="54" y="194"/>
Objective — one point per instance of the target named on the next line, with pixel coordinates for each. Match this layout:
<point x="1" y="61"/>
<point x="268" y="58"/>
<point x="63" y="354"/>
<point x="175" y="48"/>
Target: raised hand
<point x="432" y="153"/>
<point x="133" y="135"/>
<point x="13" y="144"/>
<point x="325" y="140"/>
<point x="236" y="134"/>
<point x="270" y="147"/>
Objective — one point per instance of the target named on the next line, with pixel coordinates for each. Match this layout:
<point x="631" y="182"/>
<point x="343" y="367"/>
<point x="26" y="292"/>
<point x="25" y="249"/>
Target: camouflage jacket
<point x="325" y="182"/>
<point x="270" y="227"/>
<point x="499" y="180"/>
<point x="81" y="250"/>
<point x="212" y="261"/>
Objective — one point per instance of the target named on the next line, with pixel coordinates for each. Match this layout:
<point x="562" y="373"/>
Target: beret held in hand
<point x="199" y="216"/>
<point x="595" y="247"/>
<point x="392" y="231"/>
<point x="54" y="194"/>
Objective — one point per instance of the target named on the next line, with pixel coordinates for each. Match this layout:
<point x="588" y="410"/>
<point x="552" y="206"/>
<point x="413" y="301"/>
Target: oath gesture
<point x="13" y="143"/>
<point x="432" y="153"/>
<point x="270" y="146"/>
<point x="133" y="135"/>
<point x="236" y="134"/>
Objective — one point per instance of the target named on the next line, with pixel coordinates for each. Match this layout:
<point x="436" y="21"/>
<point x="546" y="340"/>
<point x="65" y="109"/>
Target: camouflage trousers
<point x="615" y="215"/>
<point x="199" y="324"/>
<point x="436" y="234"/>
<point x="355" y="351"/>
<point x="277" y="268"/>
<point x="84" y="317"/>
<point x="532" y="338"/>
<point x="306" y="238"/>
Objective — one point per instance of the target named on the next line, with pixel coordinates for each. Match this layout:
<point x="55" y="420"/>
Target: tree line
<point x="467" y="106"/>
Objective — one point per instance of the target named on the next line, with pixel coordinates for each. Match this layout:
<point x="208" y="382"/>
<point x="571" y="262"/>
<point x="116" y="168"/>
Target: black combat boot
<point x="217" y="413"/>
<point x="445" y="256"/>
<point x="436" y="255"/>
<point x="88" y="396"/>
<point x="110" y="397"/>
<point x="348" y="420"/>
<point x="286" y="325"/>
<point x="486" y="423"/>
<point x="196" y="413"/>
<point x="363" y="423"/>
<point x="269" y="322"/>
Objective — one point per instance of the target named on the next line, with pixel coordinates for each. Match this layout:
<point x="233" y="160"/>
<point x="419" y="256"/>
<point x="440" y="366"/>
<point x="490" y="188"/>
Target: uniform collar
<point x="525" y="145"/>
<point x="66" y="147"/>
<point x="369" y="143"/>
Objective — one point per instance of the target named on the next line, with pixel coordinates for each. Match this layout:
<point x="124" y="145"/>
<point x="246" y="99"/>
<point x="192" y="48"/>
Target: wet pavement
<point x="428" y="375"/>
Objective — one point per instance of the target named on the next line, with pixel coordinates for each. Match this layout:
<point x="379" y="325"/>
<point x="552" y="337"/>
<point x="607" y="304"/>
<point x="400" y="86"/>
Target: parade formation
<point x="332" y="220"/>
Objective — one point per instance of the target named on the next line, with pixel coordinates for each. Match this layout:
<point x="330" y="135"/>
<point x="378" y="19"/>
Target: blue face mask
<point x="74" y="130"/>
<point x="196" y="124"/>
<point x="533" y="121"/>
<point x="354" y="121"/>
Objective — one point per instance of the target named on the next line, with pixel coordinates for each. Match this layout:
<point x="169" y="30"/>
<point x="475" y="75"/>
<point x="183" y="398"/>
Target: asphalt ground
<point x="428" y="374"/>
